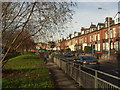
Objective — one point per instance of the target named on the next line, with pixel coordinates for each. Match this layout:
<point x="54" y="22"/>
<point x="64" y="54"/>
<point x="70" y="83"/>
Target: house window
<point x="111" y="45"/>
<point x="79" y="40"/>
<point x="116" y="45"/>
<point x="98" y="36"/>
<point x="107" y="46"/>
<point x="83" y="40"/>
<point x="95" y="47"/>
<point x="119" y="31"/>
<point x="114" y="32"/>
<point x="95" y="37"/>
<point x="98" y="46"/>
<point x="118" y="19"/>
<point x="82" y="32"/>
<point x="102" y="26"/>
<point x="95" y="28"/>
<point x="76" y="41"/>
<point x="90" y="38"/>
<point x="98" y="27"/>
<point x="86" y="39"/>
<point x="106" y="24"/>
<point x="90" y="29"/>
<point x="111" y="32"/>
<point x="104" y="46"/>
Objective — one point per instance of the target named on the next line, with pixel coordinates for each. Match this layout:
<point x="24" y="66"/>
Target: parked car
<point x="67" y="55"/>
<point x="89" y="61"/>
<point x="57" y="53"/>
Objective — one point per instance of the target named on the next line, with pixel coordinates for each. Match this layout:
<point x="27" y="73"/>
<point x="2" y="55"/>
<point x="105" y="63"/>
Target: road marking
<point x="115" y="71"/>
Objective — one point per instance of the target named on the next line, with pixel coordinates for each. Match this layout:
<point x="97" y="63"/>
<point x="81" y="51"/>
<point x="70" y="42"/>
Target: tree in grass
<point x="39" y="19"/>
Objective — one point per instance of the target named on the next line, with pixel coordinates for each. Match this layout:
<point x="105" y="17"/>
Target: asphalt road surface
<point x="107" y="68"/>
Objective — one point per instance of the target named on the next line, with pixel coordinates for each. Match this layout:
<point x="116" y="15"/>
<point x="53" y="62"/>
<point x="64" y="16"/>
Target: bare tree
<point x="17" y="35"/>
<point x="39" y="18"/>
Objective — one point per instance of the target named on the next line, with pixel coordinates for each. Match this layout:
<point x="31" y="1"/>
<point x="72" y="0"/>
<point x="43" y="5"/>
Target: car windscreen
<point x="88" y="58"/>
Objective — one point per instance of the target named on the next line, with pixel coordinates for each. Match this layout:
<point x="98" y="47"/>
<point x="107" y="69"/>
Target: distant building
<point x="96" y="37"/>
<point x="117" y="18"/>
<point x="100" y="26"/>
<point x="41" y="45"/>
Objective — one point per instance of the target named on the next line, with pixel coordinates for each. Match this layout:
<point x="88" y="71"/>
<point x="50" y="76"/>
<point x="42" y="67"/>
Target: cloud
<point x="88" y="12"/>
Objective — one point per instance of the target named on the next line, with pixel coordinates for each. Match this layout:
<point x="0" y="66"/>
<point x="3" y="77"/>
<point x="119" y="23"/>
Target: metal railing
<point x="91" y="79"/>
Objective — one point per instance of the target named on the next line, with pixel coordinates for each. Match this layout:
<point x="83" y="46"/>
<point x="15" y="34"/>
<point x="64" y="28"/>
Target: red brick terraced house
<point x="42" y="45"/>
<point x="101" y="37"/>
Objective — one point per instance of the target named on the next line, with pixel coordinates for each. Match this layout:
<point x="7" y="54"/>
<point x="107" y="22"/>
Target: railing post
<point x="96" y="81"/>
<point x="79" y="68"/>
<point x="65" y="67"/>
<point x="71" y="70"/>
<point x="57" y="61"/>
<point x="60" y="62"/>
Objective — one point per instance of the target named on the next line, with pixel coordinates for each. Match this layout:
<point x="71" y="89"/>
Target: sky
<point x="85" y="13"/>
<point x="88" y="12"/>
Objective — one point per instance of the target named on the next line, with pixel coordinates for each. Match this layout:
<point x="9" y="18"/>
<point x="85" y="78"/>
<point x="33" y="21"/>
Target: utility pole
<point x="108" y="26"/>
<point x="109" y="47"/>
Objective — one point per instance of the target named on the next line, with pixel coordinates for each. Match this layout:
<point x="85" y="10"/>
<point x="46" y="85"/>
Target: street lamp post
<point x="109" y="47"/>
<point x="108" y="25"/>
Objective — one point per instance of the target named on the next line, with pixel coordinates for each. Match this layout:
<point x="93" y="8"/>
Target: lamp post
<point x="108" y="25"/>
<point x="109" y="47"/>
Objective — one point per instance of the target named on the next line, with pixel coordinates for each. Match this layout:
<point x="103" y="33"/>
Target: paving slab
<point x="61" y="80"/>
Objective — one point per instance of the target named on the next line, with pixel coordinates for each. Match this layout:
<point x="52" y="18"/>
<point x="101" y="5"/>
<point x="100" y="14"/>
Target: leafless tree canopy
<point x="39" y="19"/>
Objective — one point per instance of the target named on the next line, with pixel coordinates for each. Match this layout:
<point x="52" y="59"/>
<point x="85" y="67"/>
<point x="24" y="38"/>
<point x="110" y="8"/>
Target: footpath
<point x="61" y="80"/>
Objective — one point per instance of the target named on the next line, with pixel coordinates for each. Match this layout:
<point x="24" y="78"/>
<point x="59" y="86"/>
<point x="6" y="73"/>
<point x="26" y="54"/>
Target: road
<point x="110" y="69"/>
<point x="107" y="68"/>
<point x="106" y="72"/>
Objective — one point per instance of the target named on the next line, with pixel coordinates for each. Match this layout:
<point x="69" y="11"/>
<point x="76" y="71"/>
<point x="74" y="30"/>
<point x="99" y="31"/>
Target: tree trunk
<point x="17" y="36"/>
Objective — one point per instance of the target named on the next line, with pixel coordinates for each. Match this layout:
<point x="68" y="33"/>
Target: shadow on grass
<point x="14" y="73"/>
<point x="27" y="78"/>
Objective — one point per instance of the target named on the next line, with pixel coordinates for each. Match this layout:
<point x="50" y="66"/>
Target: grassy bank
<point x="26" y="71"/>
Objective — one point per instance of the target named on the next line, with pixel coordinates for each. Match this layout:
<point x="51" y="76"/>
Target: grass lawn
<point x="26" y="71"/>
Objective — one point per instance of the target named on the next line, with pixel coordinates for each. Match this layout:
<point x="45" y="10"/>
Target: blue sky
<point x="87" y="12"/>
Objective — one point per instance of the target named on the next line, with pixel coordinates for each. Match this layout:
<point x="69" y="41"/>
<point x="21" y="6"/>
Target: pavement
<point x="61" y="80"/>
